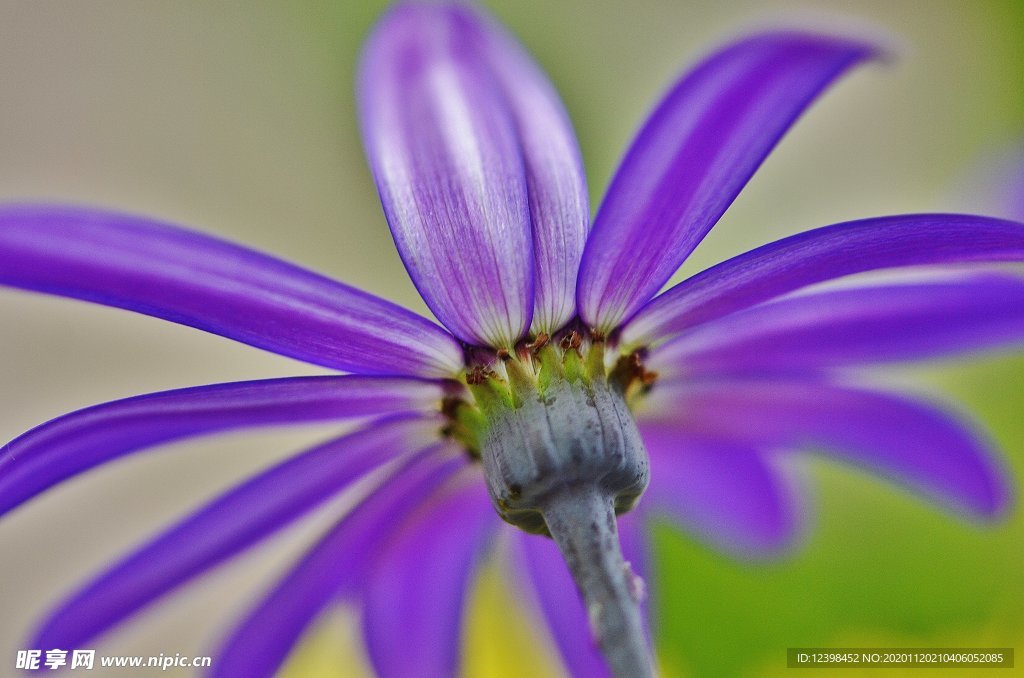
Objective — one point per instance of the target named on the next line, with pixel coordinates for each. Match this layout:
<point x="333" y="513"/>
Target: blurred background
<point x="238" y="119"/>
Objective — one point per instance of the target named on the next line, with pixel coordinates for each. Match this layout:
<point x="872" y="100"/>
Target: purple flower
<point x="563" y="384"/>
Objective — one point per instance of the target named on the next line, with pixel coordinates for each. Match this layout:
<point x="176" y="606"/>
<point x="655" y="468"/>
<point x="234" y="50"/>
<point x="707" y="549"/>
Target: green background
<point x="238" y="118"/>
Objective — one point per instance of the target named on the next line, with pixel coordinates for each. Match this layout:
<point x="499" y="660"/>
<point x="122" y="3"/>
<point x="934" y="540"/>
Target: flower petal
<point x="443" y="148"/>
<point x="414" y="602"/>
<point x="824" y="254"/>
<point x="227" y="525"/>
<point x="728" y="494"/>
<point x="850" y="326"/>
<point x="693" y="157"/>
<point x="555" y="180"/>
<point x="546" y="582"/>
<point x="909" y="442"/>
<point x="189" y="278"/>
<point x="76" y="442"/>
<point x="336" y="564"/>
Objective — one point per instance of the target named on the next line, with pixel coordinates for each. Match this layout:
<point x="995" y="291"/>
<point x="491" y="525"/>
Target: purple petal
<point x="76" y="442"/>
<point x="443" y="148"/>
<point x="337" y="564"/>
<point x="693" y="157"/>
<point x="849" y="326"/>
<point x="228" y="525"/>
<point x="415" y="600"/>
<point x="909" y="442"/>
<point x="554" y="170"/>
<point x="726" y="493"/>
<point x="546" y="581"/>
<point x="825" y="254"/>
<point x="189" y="278"/>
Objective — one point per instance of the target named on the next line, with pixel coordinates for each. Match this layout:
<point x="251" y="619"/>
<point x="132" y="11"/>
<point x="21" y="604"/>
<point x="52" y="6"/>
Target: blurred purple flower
<point x="728" y="372"/>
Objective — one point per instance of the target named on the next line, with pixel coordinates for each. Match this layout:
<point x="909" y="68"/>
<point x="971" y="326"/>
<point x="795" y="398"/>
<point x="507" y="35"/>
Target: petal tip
<point x="996" y="499"/>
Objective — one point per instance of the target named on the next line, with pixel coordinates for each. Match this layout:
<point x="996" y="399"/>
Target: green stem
<point x="581" y="519"/>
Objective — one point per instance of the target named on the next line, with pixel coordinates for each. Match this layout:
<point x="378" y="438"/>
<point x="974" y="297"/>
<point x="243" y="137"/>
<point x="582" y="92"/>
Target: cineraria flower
<point x="564" y="391"/>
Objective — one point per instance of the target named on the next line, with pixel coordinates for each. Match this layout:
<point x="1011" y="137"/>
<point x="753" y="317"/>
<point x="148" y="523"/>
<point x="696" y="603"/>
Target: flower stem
<point x="581" y="519"/>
